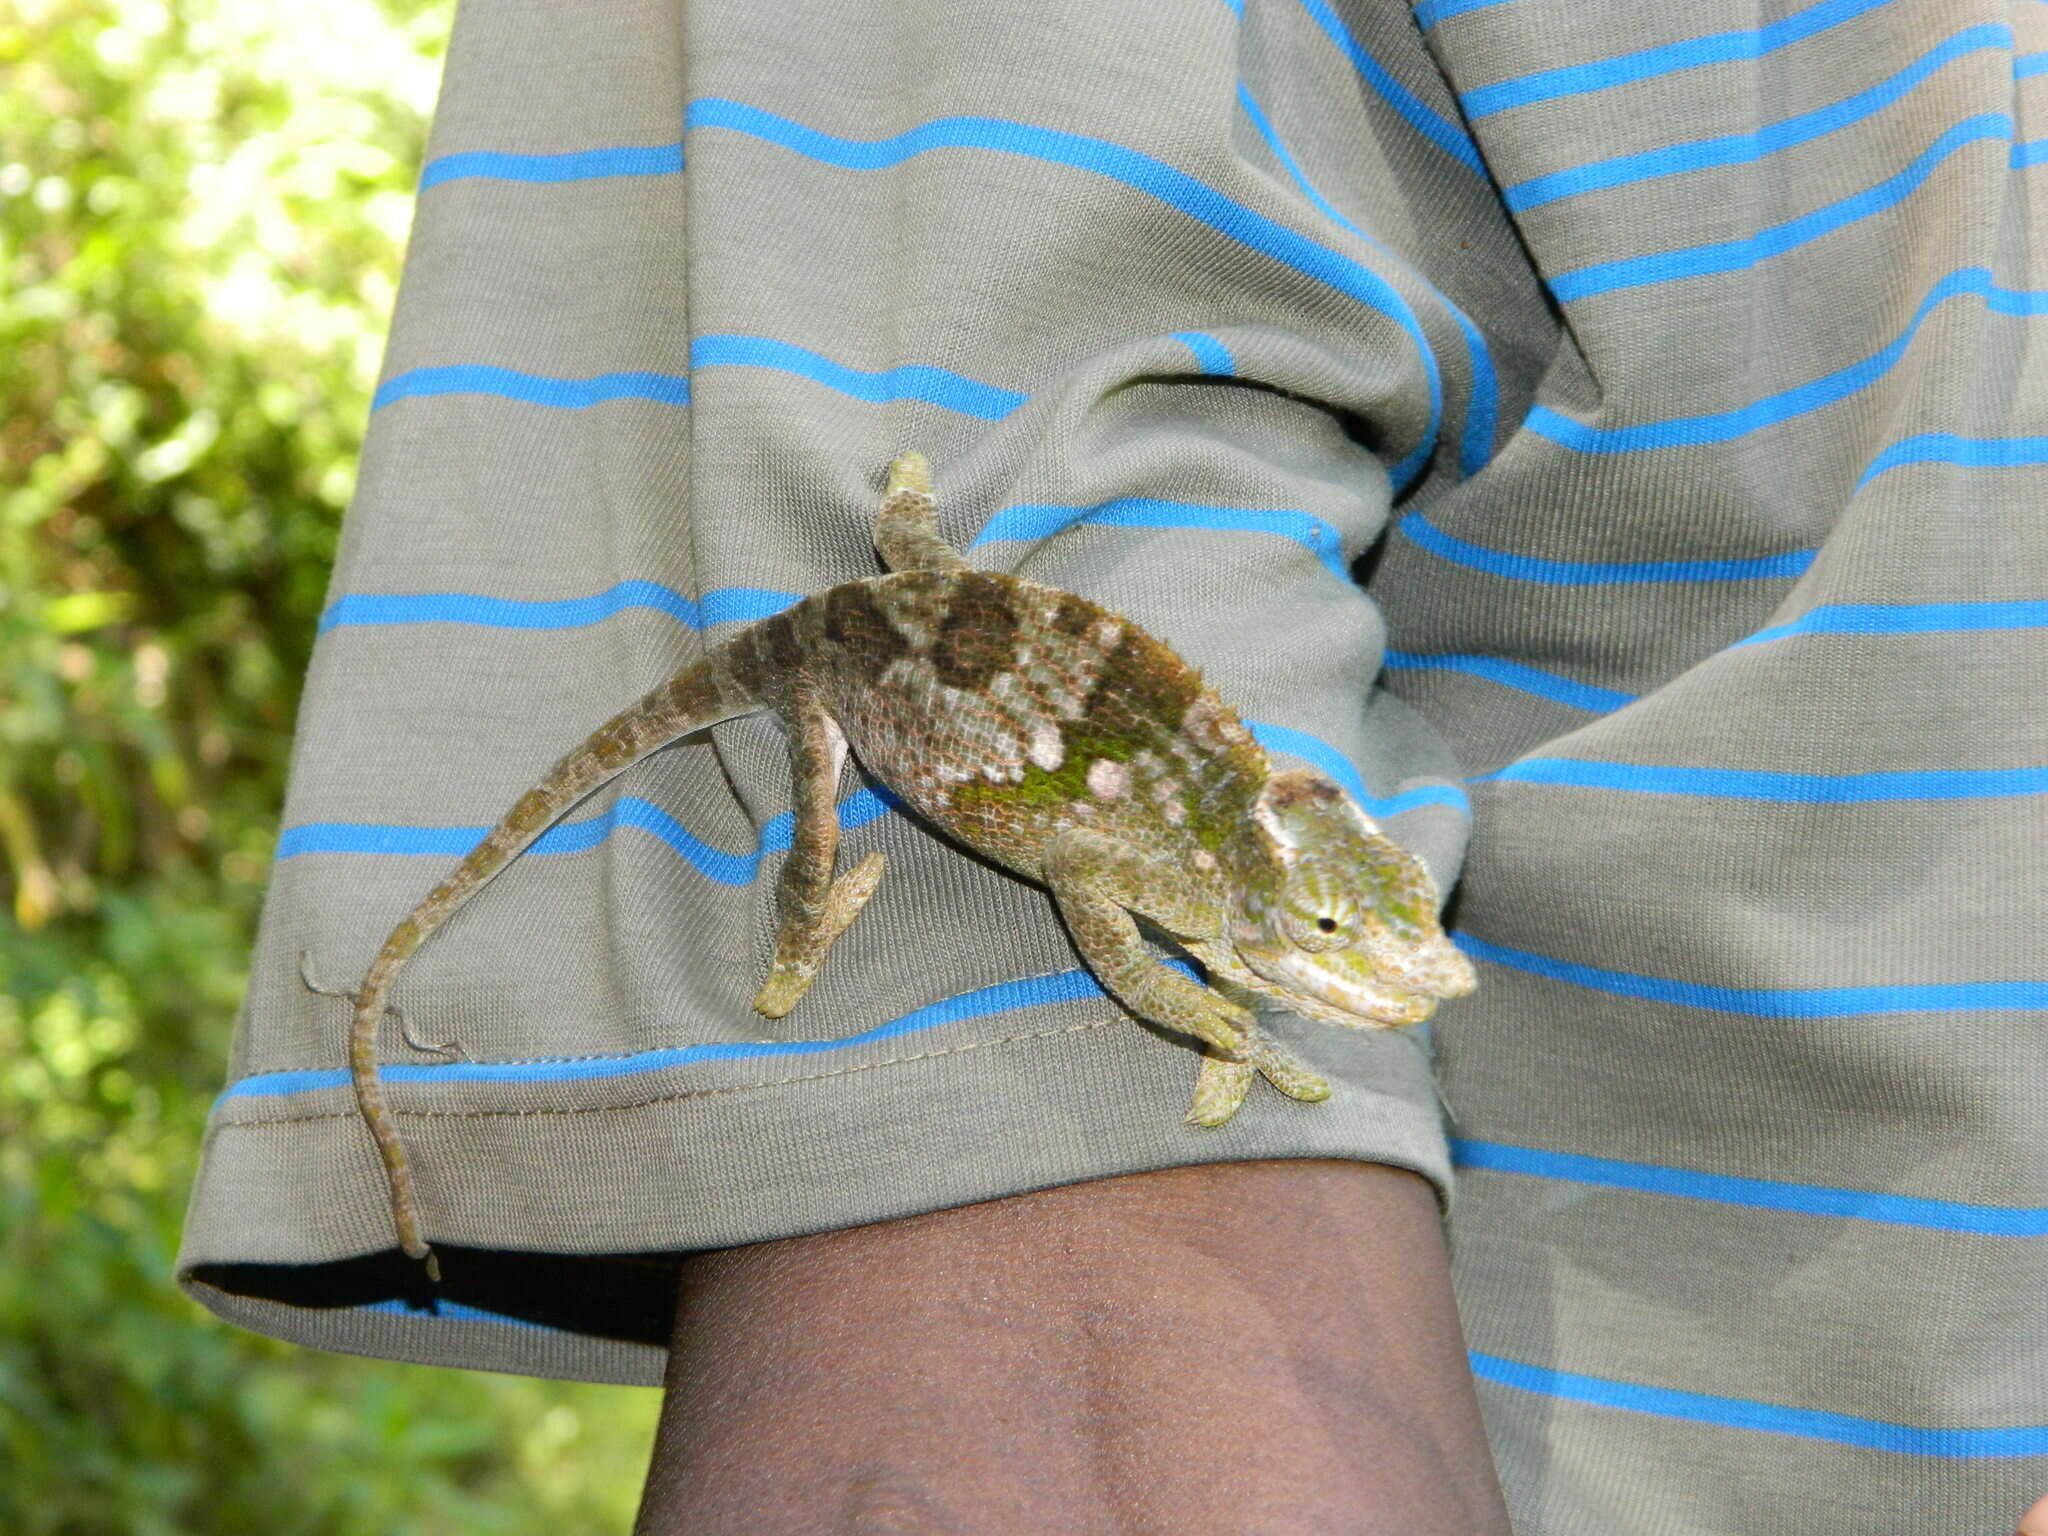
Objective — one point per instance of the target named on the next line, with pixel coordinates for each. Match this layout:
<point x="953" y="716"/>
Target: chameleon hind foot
<point x="801" y="948"/>
<point x="1219" y="1089"/>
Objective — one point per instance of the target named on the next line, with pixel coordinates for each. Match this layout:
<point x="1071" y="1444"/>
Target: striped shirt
<point x="1612" y="438"/>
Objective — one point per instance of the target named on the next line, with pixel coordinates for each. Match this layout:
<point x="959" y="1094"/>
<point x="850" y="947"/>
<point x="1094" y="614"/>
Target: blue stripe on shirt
<point x="1692" y="53"/>
<point x="1740" y="255"/>
<point x="1211" y="356"/>
<point x="1785" y="1003"/>
<point x="533" y="388"/>
<point x="1772" y="1418"/>
<point x="1747" y="148"/>
<point x="1482" y="410"/>
<point x="1760" y="1194"/>
<point x="728" y="605"/>
<point x="1140" y="172"/>
<point x="575" y="165"/>
<point x="1513" y="674"/>
<point x="1722" y="426"/>
<point x="910" y="381"/>
<point x="1027" y="521"/>
<point x="1446" y="135"/>
<point x="441" y="1310"/>
<point x="907" y="381"/>
<point x="1583" y="573"/>
<point x="1782" y="788"/>
<point x="1963" y="452"/>
<point x="1906" y="619"/>
<point x="1430" y="12"/>
<point x="1032" y="992"/>
<point x="1859" y="620"/>
<point x="389" y="840"/>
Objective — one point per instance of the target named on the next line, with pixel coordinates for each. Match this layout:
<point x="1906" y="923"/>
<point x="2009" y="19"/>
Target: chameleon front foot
<point x="1286" y="1071"/>
<point x="1219" y="1090"/>
<point x="1223" y="1082"/>
<point x="800" y="950"/>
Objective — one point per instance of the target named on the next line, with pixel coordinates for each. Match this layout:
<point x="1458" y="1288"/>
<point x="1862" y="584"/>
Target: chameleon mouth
<point x="1355" y="1002"/>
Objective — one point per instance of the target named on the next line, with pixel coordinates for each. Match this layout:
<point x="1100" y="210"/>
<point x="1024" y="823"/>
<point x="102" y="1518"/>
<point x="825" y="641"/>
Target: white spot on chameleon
<point x="1204" y="860"/>
<point x="1209" y="725"/>
<point x="1174" y="812"/>
<point x="1048" y="748"/>
<point x="1103" y="634"/>
<point x="1107" y="779"/>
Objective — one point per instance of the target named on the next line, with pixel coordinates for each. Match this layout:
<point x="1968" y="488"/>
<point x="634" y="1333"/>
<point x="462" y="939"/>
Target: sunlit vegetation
<point x="202" y="212"/>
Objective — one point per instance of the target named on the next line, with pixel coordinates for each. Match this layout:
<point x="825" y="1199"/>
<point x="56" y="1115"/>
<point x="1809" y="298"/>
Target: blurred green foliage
<point x="202" y="210"/>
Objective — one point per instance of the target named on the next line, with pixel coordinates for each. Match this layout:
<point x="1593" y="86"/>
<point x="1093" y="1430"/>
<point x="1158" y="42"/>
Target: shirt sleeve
<point x="1180" y="301"/>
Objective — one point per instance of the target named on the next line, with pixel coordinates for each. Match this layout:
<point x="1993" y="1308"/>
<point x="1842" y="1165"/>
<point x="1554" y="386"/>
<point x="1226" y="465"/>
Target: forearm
<point x="1263" y="1346"/>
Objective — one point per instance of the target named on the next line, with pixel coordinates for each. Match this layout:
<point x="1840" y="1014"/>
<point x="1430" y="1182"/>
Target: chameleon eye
<point x="1316" y="933"/>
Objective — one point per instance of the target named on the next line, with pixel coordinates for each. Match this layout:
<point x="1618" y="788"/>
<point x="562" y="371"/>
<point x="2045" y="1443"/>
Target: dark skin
<point x="1241" y="1347"/>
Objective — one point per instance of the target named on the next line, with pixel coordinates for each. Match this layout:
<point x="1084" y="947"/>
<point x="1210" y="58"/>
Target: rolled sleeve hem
<point x="559" y="1216"/>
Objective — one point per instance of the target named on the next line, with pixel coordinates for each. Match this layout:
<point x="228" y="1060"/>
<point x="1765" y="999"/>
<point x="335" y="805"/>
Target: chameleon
<point x="1055" y="738"/>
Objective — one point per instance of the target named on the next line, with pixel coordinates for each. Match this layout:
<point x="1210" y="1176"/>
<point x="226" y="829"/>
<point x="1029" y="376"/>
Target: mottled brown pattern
<point x="857" y="627"/>
<point x="978" y="636"/>
<point x="1072" y="616"/>
<point x="1141" y="680"/>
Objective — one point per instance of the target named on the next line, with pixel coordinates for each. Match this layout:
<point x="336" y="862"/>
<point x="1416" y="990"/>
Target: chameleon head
<point x="1332" y="918"/>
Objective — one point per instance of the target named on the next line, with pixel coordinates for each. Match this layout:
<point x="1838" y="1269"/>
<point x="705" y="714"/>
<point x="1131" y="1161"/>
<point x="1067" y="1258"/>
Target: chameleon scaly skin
<point x="1064" y="743"/>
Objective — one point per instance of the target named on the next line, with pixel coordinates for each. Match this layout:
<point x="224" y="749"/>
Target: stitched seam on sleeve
<point x="668" y="1098"/>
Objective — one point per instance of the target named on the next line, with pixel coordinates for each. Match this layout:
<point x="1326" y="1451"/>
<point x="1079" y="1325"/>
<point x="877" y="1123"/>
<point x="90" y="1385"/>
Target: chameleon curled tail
<point x="700" y="695"/>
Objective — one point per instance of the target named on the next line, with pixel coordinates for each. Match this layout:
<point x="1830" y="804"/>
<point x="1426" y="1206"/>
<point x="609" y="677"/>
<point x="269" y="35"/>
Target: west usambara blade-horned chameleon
<point x="1057" y="739"/>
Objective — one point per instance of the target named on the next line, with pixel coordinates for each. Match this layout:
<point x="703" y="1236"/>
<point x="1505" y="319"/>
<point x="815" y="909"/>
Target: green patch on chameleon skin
<point x="1214" y="825"/>
<point x="1049" y="788"/>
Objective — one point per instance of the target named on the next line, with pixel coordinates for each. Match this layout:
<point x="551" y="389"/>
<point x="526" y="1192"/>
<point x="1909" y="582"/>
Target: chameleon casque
<point x="1058" y="740"/>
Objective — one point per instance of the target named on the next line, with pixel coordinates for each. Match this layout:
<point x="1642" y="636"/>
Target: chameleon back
<point x="1007" y="712"/>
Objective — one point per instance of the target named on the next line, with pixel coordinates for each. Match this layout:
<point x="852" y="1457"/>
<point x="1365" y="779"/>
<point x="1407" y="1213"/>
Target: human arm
<point x="1262" y="1346"/>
